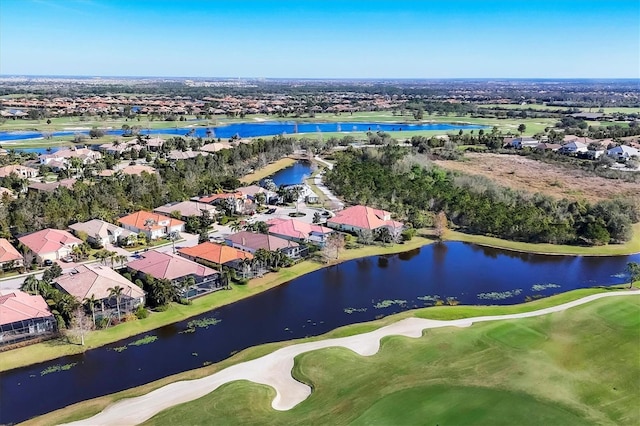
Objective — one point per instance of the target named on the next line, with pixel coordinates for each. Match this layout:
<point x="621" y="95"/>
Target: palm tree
<point x="91" y="303"/>
<point x="117" y="293"/>
<point x="121" y="258"/>
<point x="236" y="226"/>
<point x="31" y="285"/>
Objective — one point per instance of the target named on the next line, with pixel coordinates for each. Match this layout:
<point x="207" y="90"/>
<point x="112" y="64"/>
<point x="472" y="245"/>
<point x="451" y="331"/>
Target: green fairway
<point x="464" y="405"/>
<point x="574" y="367"/>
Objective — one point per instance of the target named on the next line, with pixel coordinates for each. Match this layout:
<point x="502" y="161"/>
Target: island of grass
<point x="572" y="367"/>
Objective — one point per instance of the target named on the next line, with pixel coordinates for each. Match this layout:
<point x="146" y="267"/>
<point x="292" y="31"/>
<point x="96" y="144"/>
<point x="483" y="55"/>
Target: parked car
<point x="67" y="259"/>
<point x="270" y="211"/>
<point x="48" y="262"/>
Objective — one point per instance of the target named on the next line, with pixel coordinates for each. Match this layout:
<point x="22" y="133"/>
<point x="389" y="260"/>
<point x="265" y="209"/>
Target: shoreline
<point x="629" y="248"/>
<point x="461" y="313"/>
<point x="51" y="349"/>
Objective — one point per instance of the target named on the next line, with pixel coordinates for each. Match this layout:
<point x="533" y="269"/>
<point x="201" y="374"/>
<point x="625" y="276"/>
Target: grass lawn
<point x="268" y="170"/>
<point x="630" y="247"/>
<point x="543" y="370"/>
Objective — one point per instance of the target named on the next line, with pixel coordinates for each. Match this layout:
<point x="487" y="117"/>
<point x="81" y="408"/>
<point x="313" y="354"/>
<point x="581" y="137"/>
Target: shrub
<point x="161" y="308"/>
<point x="141" y="312"/>
<point x="224" y="220"/>
<point x="408" y="234"/>
<point x="242" y="281"/>
<point x="185" y="301"/>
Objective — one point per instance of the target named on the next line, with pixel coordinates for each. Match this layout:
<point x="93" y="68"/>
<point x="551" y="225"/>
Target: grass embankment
<point x="59" y="347"/>
<point x="630" y="247"/>
<point x="268" y="170"/>
<point x="499" y="365"/>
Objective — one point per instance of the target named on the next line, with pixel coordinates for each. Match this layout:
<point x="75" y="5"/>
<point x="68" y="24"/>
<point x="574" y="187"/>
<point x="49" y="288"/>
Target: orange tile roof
<point x="215" y="253"/>
<point x="139" y="220"/>
<point x="222" y="195"/>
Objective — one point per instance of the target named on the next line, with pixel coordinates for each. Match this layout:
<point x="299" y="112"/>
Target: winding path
<point x="275" y="368"/>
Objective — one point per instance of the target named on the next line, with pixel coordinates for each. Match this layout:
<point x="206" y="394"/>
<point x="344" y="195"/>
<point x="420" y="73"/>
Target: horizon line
<point x="239" y="78"/>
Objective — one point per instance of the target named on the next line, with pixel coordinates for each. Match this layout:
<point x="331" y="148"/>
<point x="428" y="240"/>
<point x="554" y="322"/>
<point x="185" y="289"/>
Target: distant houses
<point x="23" y="172"/>
<point x="623" y="153"/>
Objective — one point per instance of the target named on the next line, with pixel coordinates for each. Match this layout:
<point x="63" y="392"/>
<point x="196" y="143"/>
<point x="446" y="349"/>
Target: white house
<point x="573" y="148"/>
<point x="623" y="152"/>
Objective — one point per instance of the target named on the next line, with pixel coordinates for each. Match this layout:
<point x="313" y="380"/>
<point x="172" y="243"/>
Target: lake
<point x="269" y="128"/>
<point x="352" y="292"/>
<point x="292" y="175"/>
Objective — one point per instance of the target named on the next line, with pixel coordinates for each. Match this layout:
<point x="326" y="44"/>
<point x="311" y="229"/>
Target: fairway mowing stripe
<point x="275" y="368"/>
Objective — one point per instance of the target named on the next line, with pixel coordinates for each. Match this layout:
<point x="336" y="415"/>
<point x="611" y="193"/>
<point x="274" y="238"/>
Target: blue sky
<point x="322" y="39"/>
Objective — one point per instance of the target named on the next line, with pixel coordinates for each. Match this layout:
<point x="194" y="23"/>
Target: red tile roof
<point x="8" y="252"/>
<point x="364" y="217"/>
<point x="20" y="306"/>
<point x="215" y="253"/>
<point x="295" y="228"/>
<point x="48" y="240"/>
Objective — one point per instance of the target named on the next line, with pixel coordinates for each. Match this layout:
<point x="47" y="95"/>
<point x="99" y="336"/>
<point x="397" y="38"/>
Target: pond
<point x="292" y="175"/>
<point x="247" y="130"/>
<point x="352" y="292"/>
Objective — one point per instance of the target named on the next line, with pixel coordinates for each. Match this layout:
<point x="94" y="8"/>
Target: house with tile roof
<point x="253" y="241"/>
<point x="154" y="225"/>
<point x="187" y="209"/>
<point x="169" y="266"/>
<point x="50" y="244"/>
<point x="21" y="171"/>
<point x="102" y="233"/>
<point x="360" y="218"/>
<point x="51" y="186"/>
<point x="225" y="199"/>
<point x="24" y="317"/>
<point x="216" y="254"/>
<point x="9" y="256"/>
<point x="299" y="231"/>
<point x="94" y="280"/>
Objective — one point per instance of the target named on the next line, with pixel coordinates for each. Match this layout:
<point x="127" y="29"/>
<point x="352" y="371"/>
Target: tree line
<point x="111" y="197"/>
<point x="415" y="189"/>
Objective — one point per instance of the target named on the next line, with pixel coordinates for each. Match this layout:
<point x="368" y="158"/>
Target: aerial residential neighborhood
<point x="319" y="212"/>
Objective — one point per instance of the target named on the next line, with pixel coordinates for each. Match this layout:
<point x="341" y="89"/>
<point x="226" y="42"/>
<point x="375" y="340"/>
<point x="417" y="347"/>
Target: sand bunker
<point x="275" y="368"/>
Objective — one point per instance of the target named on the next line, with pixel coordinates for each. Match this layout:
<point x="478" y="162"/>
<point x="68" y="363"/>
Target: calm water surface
<point x="294" y="174"/>
<point x="310" y="305"/>
<point x="245" y="130"/>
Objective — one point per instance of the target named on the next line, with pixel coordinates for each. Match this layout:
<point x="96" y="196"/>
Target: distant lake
<point x="268" y="128"/>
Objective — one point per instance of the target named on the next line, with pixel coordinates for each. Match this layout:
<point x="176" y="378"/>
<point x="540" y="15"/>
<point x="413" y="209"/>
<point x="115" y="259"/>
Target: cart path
<point x="275" y="368"/>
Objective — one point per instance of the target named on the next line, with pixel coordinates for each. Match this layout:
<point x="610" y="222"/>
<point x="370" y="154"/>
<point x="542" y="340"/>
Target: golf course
<point x="571" y="363"/>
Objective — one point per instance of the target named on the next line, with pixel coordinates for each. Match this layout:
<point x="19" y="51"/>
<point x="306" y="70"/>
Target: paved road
<point x="317" y="180"/>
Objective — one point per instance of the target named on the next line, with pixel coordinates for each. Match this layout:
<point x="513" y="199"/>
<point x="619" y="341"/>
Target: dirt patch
<point x="536" y="176"/>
